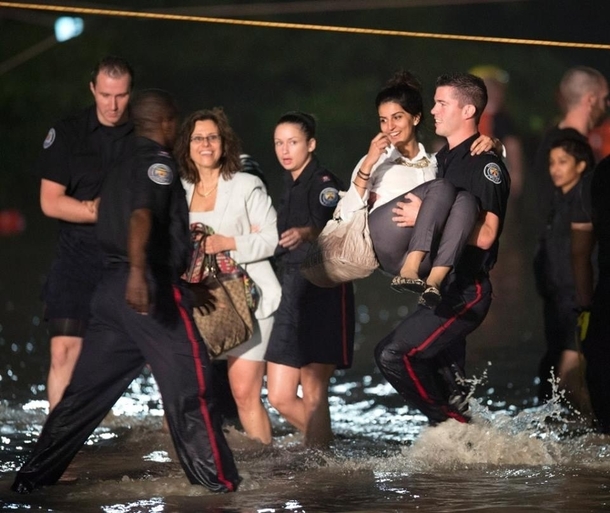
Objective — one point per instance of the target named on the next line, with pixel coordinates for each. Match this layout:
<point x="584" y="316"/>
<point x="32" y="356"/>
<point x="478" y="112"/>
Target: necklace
<point x="206" y="194"/>
<point x="423" y="162"/>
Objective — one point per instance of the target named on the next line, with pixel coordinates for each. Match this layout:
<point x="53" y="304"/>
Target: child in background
<point x="569" y="159"/>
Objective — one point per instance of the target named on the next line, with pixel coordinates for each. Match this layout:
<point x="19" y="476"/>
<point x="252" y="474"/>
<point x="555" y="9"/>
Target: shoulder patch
<point x="49" y="139"/>
<point x="329" y="197"/>
<point x="493" y="173"/>
<point x="161" y="174"/>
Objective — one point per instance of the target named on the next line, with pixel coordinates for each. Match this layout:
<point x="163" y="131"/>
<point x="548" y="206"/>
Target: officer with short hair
<point x="78" y="151"/>
<point x="423" y="357"/>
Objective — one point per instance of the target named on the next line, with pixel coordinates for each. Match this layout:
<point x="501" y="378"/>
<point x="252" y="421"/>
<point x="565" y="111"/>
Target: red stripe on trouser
<point x="203" y="407"/>
<point x="433" y="336"/>
<point x="456" y="416"/>
<point x="344" y="323"/>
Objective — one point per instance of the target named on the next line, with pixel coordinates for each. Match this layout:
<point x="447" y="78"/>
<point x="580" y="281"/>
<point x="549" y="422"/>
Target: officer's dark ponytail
<point x="305" y="121"/>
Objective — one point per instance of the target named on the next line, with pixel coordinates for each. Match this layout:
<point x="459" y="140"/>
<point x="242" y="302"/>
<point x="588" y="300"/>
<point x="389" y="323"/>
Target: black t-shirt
<point x="581" y="205"/>
<point x="553" y="261"/>
<point x="485" y="176"/>
<point x="77" y="153"/>
<point x="310" y="200"/>
<point x="146" y="179"/>
<point x="542" y="183"/>
<point x="600" y="207"/>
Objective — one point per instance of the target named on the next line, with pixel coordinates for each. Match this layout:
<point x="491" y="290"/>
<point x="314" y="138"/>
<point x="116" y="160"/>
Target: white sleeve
<point x="258" y="245"/>
<point x="352" y="200"/>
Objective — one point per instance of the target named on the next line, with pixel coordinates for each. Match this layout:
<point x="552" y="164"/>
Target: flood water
<point x="516" y="456"/>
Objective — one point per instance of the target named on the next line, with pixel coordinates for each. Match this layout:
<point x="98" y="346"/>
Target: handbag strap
<point x="220" y="266"/>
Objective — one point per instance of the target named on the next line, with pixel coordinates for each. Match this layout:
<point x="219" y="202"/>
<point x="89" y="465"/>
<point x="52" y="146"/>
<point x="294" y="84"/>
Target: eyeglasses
<point x="210" y="139"/>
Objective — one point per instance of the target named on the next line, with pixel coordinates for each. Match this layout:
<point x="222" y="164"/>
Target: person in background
<point x="141" y="315"/>
<point x="249" y="165"/>
<point x="595" y="310"/>
<point x="314" y="327"/>
<point x="77" y="153"/>
<point x="599" y="139"/>
<point x="569" y="159"/>
<point x="423" y="358"/>
<point x="235" y="204"/>
<point x="583" y="97"/>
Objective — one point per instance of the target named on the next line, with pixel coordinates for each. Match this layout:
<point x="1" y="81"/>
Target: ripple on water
<point x="385" y="458"/>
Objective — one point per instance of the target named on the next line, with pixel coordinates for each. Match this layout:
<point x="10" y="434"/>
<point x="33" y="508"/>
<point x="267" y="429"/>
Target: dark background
<point x="256" y="74"/>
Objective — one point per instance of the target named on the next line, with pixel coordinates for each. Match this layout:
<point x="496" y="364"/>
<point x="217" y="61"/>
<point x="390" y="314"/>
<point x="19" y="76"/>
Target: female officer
<point x="313" y="332"/>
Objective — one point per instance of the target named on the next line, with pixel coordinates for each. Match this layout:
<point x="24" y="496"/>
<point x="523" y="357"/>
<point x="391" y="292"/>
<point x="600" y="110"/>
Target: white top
<point x="392" y="175"/>
<point x="207" y="218"/>
<point x="241" y="204"/>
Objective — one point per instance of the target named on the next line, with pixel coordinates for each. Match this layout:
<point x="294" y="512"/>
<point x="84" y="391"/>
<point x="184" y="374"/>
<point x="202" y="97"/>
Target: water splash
<point x="384" y="454"/>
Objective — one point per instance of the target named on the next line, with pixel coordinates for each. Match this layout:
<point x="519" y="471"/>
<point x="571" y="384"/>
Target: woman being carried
<point x="398" y="169"/>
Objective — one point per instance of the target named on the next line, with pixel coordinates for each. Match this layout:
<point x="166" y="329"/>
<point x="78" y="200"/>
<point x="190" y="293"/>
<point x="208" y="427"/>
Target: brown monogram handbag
<point x="225" y="296"/>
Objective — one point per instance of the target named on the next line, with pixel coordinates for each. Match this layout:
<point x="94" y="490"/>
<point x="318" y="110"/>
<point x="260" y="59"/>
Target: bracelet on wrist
<point x="360" y="186"/>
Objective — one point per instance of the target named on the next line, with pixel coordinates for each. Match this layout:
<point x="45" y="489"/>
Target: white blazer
<point x="241" y="204"/>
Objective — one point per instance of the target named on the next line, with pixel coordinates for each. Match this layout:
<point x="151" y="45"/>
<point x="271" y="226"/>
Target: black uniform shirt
<point x="600" y="206"/>
<point x="78" y="151"/>
<point x="553" y="262"/>
<point x="581" y="205"/>
<point x="310" y="200"/>
<point x="486" y="177"/>
<point x="146" y="179"/>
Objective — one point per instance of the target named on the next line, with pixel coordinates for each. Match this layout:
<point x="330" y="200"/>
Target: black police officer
<point x="140" y="315"/>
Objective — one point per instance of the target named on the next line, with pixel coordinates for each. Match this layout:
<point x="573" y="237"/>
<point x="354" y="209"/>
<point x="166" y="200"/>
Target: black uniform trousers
<point x="596" y="349"/>
<point x="444" y="224"/>
<point x="414" y="358"/>
<point x="118" y="343"/>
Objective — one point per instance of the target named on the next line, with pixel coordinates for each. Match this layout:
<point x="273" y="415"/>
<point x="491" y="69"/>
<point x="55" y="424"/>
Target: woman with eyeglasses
<point x="314" y="327"/>
<point x="237" y="207"/>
